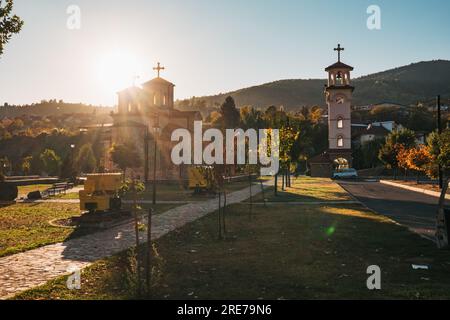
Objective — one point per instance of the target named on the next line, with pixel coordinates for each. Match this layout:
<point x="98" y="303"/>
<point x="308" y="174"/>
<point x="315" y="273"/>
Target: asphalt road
<point x="415" y="210"/>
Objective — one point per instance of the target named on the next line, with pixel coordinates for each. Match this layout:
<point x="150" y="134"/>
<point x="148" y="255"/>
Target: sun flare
<point x="118" y="70"/>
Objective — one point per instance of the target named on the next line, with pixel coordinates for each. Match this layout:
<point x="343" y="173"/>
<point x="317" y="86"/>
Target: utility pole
<point x="439" y="125"/>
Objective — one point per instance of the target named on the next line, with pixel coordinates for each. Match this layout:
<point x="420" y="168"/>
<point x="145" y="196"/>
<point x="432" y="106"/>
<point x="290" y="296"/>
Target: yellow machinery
<point x="101" y="192"/>
<point x="200" y="178"/>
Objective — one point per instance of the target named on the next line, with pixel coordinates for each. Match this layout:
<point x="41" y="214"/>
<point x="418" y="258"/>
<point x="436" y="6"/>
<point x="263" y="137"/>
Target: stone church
<point x="146" y="115"/>
<point x="338" y="95"/>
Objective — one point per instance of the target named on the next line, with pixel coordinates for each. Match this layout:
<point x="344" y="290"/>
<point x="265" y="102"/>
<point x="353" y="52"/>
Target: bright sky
<point x="208" y="46"/>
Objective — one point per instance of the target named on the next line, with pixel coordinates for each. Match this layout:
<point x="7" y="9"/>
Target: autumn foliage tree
<point x="394" y="143"/>
<point x="418" y="159"/>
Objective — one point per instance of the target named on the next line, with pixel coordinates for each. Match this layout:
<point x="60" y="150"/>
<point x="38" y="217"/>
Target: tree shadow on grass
<point x="311" y="252"/>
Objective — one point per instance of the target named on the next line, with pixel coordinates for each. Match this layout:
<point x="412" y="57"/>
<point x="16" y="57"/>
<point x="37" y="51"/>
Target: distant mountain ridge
<point x="52" y="108"/>
<point x="406" y="85"/>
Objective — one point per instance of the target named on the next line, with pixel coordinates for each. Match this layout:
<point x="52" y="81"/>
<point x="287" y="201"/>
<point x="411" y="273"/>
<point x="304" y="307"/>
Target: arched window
<point x="340" y="122"/>
<point x="340" y="141"/>
<point x="164" y="100"/>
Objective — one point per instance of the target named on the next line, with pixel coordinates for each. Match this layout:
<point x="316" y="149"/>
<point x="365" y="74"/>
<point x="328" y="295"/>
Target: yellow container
<point x="99" y="190"/>
<point x="103" y="182"/>
<point x="198" y="177"/>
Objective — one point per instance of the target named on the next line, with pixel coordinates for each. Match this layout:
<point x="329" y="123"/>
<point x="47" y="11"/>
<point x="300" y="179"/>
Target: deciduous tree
<point x="86" y="161"/>
<point x="125" y="156"/>
<point x="229" y="114"/>
<point x="51" y="162"/>
<point x="9" y="23"/>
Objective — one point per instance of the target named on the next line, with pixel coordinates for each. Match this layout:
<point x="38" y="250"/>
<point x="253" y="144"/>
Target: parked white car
<point x="345" y="174"/>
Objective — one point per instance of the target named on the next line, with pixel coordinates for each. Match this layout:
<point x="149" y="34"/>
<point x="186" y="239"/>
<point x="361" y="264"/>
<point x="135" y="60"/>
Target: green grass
<point x="306" y="189"/>
<point x="282" y="251"/>
<point x="26" y="226"/>
<point x="67" y="196"/>
<point x="24" y="190"/>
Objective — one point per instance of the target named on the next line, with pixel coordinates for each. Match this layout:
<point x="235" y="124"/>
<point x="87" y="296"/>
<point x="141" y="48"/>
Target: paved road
<point x="415" y="210"/>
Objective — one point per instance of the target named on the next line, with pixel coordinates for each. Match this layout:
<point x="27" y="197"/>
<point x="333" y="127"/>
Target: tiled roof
<point x="339" y="65"/>
<point x="158" y="81"/>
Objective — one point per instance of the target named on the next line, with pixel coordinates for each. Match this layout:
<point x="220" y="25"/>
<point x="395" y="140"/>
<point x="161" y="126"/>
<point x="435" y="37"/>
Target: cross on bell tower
<point x="158" y="68"/>
<point x="339" y="49"/>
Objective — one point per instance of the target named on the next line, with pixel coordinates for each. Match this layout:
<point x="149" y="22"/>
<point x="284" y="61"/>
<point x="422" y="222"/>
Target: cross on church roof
<point x="339" y="49"/>
<point x="159" y="68"/>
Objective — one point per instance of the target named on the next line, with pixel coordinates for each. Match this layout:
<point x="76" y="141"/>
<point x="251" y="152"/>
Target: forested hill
<point x="404" y="85"/>
<point x="51" y="108"/>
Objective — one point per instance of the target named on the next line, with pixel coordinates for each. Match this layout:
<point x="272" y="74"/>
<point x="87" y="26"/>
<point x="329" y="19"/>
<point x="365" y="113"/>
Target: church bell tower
<point x="338" y="94"/>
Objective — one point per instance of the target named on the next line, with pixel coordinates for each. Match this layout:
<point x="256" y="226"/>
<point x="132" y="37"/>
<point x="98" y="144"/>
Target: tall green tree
<point x="229" y="114"/>
<point x="26" y="165"/>
<point x="68" y="169"/>
<point x="366" y="155"/>
<point x="9" y="23"/>
<point x="251" y="118"/>
<point x="86" y="161"/>
<point x="439" y="148"/>
<point x="51" y="162"/>
<point x="126" y="156"/>
<point x="5" y="165"/>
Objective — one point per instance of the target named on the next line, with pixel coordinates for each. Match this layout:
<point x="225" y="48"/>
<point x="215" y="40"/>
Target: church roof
<point x="131" y="90"/>
<point x="339" y="65"/>
<point x="158" y="80"/>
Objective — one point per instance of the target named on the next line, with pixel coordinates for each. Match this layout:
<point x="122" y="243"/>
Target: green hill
<point x="404" y="85"/>
<point x="51" y="108"/>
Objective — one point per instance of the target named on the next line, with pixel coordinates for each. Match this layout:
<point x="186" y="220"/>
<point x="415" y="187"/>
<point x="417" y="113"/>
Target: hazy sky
<point x="208" y="46"/>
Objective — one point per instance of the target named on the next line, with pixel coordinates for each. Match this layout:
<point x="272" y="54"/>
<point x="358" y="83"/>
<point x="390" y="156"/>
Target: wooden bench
<point x="58" y="188"/>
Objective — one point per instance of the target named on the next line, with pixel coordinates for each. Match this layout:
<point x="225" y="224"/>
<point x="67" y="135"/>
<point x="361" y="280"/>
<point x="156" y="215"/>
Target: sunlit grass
<point x="357" y="213"/>
<point x="26" y="226"/>
<point x="307" y="189"/>
<point x="24" y="190"/>
<point x="284" y="251"/>
<point x="67" y="196"/>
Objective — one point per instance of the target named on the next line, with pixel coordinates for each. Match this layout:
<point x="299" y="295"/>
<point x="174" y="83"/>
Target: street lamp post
<point x="156" y="132"/>
<point x="72" y="163"/>
<point x="146" y="138"/>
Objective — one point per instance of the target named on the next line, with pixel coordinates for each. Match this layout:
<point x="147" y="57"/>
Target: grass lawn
<point x="67" y="196"/>
<point x="26" y="226"/>
<point x="24" y="190"/>
<point x="306" y="189"/>
<point x="283" y="251"/>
